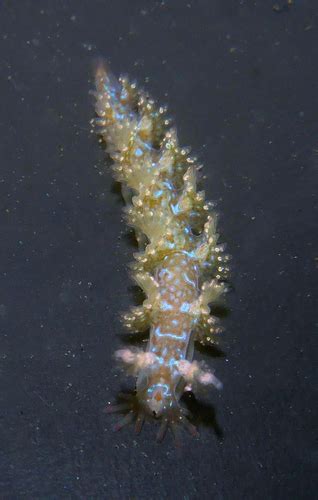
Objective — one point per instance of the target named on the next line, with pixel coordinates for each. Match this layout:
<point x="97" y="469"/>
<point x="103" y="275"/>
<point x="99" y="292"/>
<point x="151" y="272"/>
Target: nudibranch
<point x="180" y="265"/>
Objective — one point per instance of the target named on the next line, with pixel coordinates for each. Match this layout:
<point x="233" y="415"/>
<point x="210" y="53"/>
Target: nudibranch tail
<point x="180" y="265"/>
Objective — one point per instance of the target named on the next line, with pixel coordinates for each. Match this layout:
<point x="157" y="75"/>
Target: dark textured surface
<point x="241" y="80"/>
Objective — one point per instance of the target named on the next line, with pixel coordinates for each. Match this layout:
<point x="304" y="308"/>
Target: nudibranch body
<point x="180" y="266"/>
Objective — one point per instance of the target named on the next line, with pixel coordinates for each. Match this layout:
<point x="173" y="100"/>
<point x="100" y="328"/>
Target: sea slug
<point x="180" y="266"/>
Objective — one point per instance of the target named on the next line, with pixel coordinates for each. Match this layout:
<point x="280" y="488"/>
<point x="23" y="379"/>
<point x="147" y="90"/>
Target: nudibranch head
<point x="157" y="399"/>
<point x="156" y="390"/>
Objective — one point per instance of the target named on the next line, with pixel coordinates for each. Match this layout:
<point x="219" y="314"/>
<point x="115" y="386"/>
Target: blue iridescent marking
<point x="174" y="336"/>
<point x="164" y="271"/>
<point x="185" y="307"/>
<point x="169" y="244"/>
<point x="146" y="145"/>
<point x="169" y="185"/>
<point x="158" y="193"/>
<point x="119" y="116"/>
<point x="187" y="279"/>
<point x="192" y="254"/>
<point x="172" y="362"/>
<point x="165" y="306"/>
<point x="111" y="91"/>
<point x="138" y="152"/>
<point x="123" y="94"/>
<point x="180" y="353"/>
<point x="165" y="388"/>
<point x="175" y="209"/>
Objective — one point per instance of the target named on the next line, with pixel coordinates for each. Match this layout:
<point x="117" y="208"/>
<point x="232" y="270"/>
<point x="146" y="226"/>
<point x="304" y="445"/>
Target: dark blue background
<point x="240" y="78"/>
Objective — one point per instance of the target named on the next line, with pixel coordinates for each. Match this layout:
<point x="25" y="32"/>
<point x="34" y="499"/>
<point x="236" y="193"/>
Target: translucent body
<point x="160" y="385"/>
<point x="176" y="231"/>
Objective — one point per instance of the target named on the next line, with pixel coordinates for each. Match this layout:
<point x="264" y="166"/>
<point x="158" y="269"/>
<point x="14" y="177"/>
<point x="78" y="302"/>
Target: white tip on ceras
<point x="192" y="373"/>
<point x="135" y="361"/>
<point x="211" y="292"/>
<point x="148" y="284"/>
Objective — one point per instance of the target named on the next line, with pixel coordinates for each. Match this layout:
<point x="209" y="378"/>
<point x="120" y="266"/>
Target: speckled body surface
<point x="171" y="334"/>
<point x="180" y="265"/>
